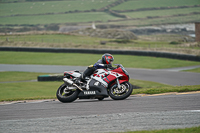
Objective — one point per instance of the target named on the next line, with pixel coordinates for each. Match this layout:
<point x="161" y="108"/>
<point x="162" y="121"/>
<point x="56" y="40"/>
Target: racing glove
<point x="108" y="66"/>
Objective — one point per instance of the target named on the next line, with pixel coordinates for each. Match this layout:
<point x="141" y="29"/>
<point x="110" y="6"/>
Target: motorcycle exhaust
<point x="68" y="81"/>
<point x="72" y="83"/>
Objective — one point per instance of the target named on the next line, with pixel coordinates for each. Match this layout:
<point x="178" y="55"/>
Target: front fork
<point x="118" y="84"/>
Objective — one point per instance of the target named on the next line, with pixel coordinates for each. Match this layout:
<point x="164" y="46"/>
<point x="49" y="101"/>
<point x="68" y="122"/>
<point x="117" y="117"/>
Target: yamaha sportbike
<point x="101" y="84"/>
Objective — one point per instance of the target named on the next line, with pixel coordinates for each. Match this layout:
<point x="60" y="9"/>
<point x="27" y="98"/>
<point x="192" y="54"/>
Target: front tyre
<point x="121" y="93"/>
<point x="65" y="95"/>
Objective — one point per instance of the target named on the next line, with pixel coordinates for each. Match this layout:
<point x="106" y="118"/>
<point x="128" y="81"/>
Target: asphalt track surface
<point x="171" y="76"/>
<point x="91" y="116"/>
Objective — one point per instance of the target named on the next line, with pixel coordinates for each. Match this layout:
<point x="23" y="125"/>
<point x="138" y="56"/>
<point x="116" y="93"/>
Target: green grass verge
<point x="185" y="130"/>
<point x="18" y="76"/>
<point x="25" y="90"/>
<point x="160" y="90"/>
<point x="77" y="59"/>
<point x="28" y="90"/>
<point x="47" y="90"/>
<point x="196" y="70"/>
<point x="148" y="87"/>
<point x="147" y="84"/>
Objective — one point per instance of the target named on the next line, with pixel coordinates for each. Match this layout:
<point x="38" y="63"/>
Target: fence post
<point x="197" y="31"/>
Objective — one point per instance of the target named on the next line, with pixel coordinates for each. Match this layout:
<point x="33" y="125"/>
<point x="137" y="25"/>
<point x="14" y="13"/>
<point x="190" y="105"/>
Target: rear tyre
<point x="65" y="95"/>
<point x="122" y="93"/>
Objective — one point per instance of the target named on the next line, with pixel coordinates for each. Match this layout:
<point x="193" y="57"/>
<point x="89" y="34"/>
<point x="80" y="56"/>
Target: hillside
<point x="26" y="15"/>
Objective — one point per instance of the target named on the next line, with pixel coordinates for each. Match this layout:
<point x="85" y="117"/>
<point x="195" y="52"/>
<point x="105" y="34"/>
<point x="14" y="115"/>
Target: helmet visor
<point x="110" y="60"/>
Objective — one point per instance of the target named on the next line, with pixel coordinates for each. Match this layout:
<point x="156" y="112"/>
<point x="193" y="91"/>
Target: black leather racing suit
<point x="90" y="70"/>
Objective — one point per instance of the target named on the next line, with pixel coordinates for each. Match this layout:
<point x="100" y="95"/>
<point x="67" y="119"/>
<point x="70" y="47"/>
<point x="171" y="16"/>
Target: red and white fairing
<point x="104" y="76"/>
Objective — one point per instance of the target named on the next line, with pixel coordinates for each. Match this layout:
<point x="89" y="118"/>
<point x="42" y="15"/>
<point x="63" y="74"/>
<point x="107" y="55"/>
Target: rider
<point x="105" y="62"/>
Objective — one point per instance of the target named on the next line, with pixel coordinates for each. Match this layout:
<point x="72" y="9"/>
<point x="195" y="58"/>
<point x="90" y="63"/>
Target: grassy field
<point x="166" y="12"/>
<point x="150" y="42"/>
<point x="42" y="7"/>
<point x="154" y="3"/>
<point x="78" y="39"/>
<point x="159" y="21"/>
<point x="63" y="6"/>
<point x="87" y="59"/>
<point x="59" y="18"/>
<point x="88" y="18"/>
<point x="8" y="11"/>
<point x="53" y="38"/>
<point x="86" y="41"/>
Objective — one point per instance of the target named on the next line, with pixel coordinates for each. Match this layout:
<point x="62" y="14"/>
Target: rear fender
<point x="72" y="73"/>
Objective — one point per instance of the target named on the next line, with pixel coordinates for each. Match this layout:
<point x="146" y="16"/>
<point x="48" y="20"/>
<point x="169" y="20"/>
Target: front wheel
<point x="121" y="93"/>
<point x="65" y="95"/>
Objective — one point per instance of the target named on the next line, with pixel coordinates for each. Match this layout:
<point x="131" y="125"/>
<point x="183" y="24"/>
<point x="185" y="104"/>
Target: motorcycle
<point x="101" y="84"/>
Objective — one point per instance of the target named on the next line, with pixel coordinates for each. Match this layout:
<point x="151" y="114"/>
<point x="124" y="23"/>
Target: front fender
<point x="122" y="81"/>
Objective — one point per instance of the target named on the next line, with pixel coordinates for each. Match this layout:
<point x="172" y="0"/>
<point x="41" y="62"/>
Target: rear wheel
<point x="121" y="93"/>
<point x="65" y="95"/>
